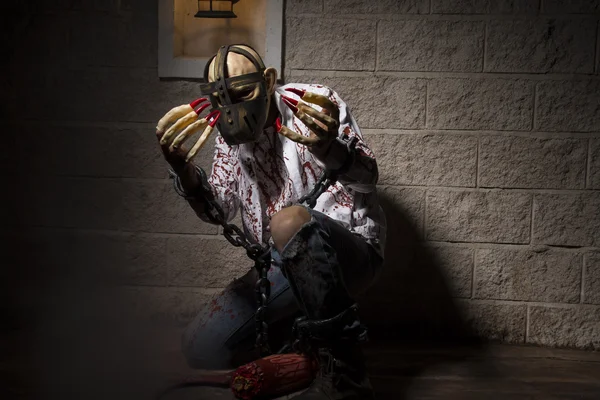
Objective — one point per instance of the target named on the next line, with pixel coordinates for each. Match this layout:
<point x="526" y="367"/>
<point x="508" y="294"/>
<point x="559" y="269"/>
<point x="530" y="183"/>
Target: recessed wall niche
<point x="185" y="42"/>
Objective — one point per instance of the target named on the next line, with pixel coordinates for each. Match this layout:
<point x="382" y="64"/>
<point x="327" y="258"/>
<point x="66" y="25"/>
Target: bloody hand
<point x="185" y="118"/>
<point x="323" y="125"/>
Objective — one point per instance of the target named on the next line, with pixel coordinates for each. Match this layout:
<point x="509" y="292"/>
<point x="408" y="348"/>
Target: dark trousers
<point x="327" y="266"/>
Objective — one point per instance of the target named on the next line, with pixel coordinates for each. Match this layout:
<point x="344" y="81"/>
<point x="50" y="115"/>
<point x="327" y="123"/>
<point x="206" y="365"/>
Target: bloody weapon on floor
<point x="271" y="376"/>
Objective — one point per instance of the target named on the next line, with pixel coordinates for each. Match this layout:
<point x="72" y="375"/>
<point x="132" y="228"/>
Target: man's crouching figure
<point x="272" y="145"/>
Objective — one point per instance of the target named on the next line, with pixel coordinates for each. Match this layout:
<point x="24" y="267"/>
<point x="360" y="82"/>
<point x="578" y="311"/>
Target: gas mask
<point x="241" y="121"/>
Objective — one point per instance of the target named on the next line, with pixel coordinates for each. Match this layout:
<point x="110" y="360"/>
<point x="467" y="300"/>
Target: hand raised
<point x="323" y="125"/>
<point x="178" y="125"/>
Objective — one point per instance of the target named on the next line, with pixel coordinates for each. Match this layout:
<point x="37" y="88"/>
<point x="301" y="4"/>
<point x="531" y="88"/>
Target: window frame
<point x="171" y="66"/>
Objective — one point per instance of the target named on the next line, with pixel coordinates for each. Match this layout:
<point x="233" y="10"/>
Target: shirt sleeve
<point x="363" y="174"/>
<point x="224" y="179"/>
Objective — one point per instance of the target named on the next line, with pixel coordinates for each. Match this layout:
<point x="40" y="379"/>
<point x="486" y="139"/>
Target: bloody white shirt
<point x="260" y="178"/>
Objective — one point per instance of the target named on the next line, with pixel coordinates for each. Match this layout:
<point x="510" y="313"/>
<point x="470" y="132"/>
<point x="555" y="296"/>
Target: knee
<point x="286" y="223"/>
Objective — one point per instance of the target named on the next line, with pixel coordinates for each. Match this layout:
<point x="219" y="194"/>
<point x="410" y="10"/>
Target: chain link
<point x="262" y="263"/>
<point x="259" y="254"/>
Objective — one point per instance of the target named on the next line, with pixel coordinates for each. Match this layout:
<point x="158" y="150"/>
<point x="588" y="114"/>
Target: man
<point x="273" y="144"/>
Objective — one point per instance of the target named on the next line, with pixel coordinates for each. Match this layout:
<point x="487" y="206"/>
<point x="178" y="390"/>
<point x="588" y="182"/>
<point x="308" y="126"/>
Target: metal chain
<point x="259" y="254"/>
<point x="262" y="262"/>
<point x="327" y="178"/>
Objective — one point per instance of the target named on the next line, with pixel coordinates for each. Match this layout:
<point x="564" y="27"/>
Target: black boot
<point x="335" y="344"/>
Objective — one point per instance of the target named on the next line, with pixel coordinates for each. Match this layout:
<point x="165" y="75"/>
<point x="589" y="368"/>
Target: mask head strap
<point x="221" y="85"/>
<point x="258" y="64"/>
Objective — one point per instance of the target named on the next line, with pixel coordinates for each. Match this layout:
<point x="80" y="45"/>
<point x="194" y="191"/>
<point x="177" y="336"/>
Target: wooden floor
<point x="490" y="372"/>
<point x="397" y="370"/>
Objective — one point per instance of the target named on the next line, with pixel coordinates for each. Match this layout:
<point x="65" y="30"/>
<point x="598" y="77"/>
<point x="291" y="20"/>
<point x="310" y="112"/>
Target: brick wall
<point x="484" y="116"/>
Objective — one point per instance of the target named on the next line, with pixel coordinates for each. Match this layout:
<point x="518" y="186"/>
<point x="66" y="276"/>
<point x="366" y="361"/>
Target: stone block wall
<point x="484" y="116"/>
<point x="484" y="119"/>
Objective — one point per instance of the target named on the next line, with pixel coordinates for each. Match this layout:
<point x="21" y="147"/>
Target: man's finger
<point x="181" y="123"/>
<point x="296" y="137"/>
<point x="173" y="115"/>
<point x="178" y="112"/>
<point x="331" y="124"/>
<point x="318" y="99"/>
<point x="313" y="126"/>
<point x="212" y="119"/>
<point x="188" y="132"/>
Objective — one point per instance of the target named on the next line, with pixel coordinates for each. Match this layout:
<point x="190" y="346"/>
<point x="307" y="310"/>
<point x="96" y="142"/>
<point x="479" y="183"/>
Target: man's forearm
<point x="190" y="182"/>
<point x="188" y="176"/>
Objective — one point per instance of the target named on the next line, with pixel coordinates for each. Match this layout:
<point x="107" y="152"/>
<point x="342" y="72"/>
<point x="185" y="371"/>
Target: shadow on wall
<point x="414" y="324"/>
<point x="79" y="333"/>
<point x="411" y="299"/>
